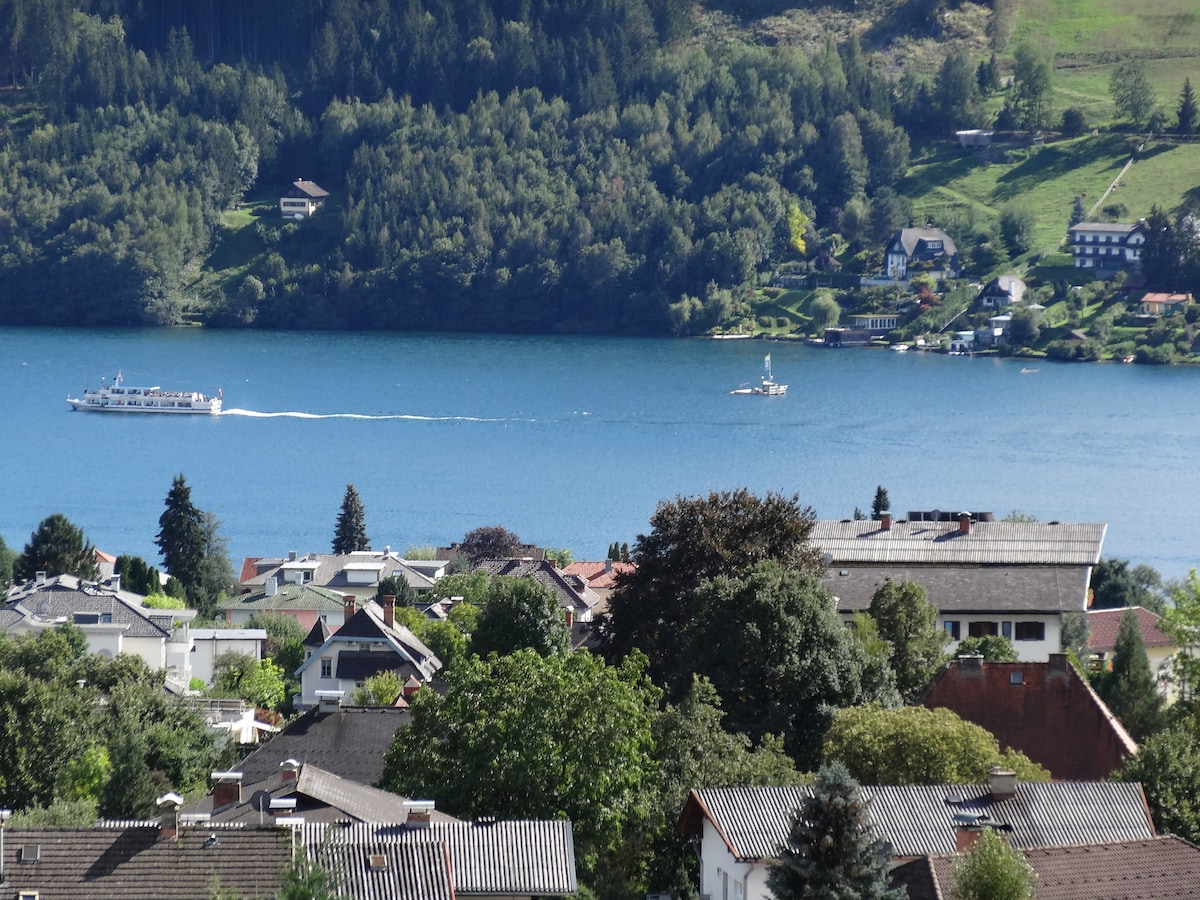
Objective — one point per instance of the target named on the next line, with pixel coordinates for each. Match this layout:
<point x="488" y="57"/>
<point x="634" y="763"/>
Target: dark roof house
<point x="930" y="248"/>
<point x="1048" y="711"/>
<point x="574" y="594"/>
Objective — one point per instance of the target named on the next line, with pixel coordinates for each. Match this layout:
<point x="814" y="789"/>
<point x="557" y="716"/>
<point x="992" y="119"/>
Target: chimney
<point x="570" y="616"/>
<point x="329" y="701"/>
<point x="964" y="523"/>
<point x="885" y="521"/>
<point x="227" y="789"/>
<point x="168" y="817"/>
<point x="419" y="813"/>
<point x="971" y="664"/>
<point x="349" y="607"/>
<point x="114" y="582"/>
<point x="966" y="837"/>
<point x="411" y="686"/>
<point x="291" y="556"/>
<point x="389" y="610"/>
<point x="608" y="567"/>
<point x="40" y="577"/>
<point x="1003" y="784"/>
<point x="290" y="770"/>
<point x="1058" y="664"/>
<point x="272" y="586"/>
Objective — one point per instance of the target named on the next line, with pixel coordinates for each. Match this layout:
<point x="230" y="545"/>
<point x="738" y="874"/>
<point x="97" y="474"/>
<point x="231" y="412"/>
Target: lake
<point x="572" y="441"/>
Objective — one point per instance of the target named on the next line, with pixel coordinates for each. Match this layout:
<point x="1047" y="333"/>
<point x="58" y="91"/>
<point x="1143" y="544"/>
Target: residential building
<point x="357" y="573"/>
<point x="113" y="620"/>
<point x="878" y="324"/>
<point x="963" y="341"/>
<point x="575" y="596"/>
<point x="1002" y="291"/>
<point x="738" y="831"/>
<point x="1156" y="304"/>
<point x="368" y="643"/>
<point x="206" y="644"/>
<point x="1166" y="866"/>
<point x="928" y="250"/>
<point x="1106" y="245"/>
<point x="1048" y="711"/>
<point x="307" y="603"/>
<point x="1105" y="624"/>
<point x="1015" y="579"/>
<point x="601" y="577"/>
<point x="302" y="200"/>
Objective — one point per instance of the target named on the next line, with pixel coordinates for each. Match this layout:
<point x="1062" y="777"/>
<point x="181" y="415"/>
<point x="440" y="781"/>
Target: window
<point x="981" y="629"/>
<point x="1030" y="631"/>
<point x="951" y="626"/>
<point x="327" y="668"/>
<point x="1006" y="629"/>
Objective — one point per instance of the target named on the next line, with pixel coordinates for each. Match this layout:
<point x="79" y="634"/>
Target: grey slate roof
<point x="987" y="543"/>
<point x="367" y="625"/>
<point x="572" y="591"/>
<point x="917" y="819"/>
<point x="487" y="858"/>
<point x="136" y="863"/>
<point x="963" y="589"/>
<point x="66" y="598"/>
<point x="349" y="743"/>
<point x="329" y="570"/>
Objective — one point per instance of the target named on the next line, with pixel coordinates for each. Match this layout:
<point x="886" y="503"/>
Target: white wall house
<point x="1106" y="245"/>
<point x="206" y="644"/>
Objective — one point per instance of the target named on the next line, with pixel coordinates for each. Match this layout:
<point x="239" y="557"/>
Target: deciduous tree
<point x="520" y="613"/>
<point x="992" y="647"/>
<point x="489" y="542"/>
<point x="908" y="622"/>
<point x="1131" y="91"/>
<point x="1033" y="77"/>
<point x="915" y="745"/>
<point x="57" y="547"/>
<point x="350" y="532"/>
<point x="831" y="852"/>
<point x="993" y="870"/>
<point x="1167" y="765"/>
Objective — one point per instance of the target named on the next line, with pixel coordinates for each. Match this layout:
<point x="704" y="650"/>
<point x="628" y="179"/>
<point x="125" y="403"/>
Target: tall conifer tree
<point x="181" y="535"/>
<point x="350" y="534"/>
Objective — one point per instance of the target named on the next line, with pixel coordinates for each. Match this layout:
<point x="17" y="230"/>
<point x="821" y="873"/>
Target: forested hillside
<point x="624" y="167"/>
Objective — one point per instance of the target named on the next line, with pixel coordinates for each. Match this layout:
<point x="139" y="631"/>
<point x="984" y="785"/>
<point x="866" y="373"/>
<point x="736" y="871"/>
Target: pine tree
<point x="880" y="504"/>
<point x="181" y="535"/>
<point x="1129" y="689"/>
<point x="1078" y="213"/>
<point x="350" y="533"/>
<point x="831" y="853"/>
<point x="1188" y="114"/>
<point x="57" y="547"/>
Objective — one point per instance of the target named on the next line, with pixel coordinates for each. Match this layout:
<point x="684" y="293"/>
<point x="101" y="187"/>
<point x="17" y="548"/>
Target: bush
<point x="1074" y="121"/>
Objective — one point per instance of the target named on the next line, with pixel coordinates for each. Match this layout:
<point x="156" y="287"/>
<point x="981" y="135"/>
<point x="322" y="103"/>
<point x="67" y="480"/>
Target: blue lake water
<point x="571" y="441"/>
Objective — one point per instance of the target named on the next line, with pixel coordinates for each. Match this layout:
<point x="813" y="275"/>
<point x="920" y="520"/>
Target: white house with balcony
<point x="1107" y="245"/>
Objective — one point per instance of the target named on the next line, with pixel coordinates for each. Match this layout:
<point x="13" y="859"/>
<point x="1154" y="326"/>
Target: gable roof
<point x="287" y="597"/>
<point x="368" y="625"/>
<point x="1105" y="624"/>
<point x="350" y="743"/>
<point x="918" y="819"/>
<point x="910" y="240"/>
<point x="329" y="570"/>
<point x="572" y="591"/>
<point x="310" y="189"/>
<point x="65" y="598"/>
<point x="1048" y="711"/>
<point x="1149" y="869"/>
<point x="985" y="543"/>
<point x="506" y="858"/>
<point x="599" y="575"/>
<point x="137" y="863"/>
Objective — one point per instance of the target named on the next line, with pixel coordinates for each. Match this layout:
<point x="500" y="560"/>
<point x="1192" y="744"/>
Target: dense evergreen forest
<point x="515" y="165"/>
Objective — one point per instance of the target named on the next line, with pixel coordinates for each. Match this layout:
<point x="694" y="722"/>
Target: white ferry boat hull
<point x="117" y="398"/>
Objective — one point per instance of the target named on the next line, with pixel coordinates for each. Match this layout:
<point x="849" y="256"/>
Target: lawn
<point x="1090" y="29"/>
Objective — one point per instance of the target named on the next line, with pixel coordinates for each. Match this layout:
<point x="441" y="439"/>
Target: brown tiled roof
<point x="1048" y="711"/>
<point x="1103" y="625"/>
<point x="135" y="863"/>
<point x="599" y="575"/>
<point x="349" y="743"/>
<point x="1159" y="868"/>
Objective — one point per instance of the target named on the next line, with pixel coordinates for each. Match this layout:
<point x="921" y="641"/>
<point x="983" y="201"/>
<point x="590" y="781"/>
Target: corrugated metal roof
<point x="967" y="588"/>
<point x="507" y="858"/>
<point x="986" y="543"/>
<point x="389" y="871"/>
<point x="917" y="819"/>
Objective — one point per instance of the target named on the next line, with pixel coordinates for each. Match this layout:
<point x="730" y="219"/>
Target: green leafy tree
<point x="881" y="503"/>
<point x="216" y="571"/>
<point x="489" y="542"/>
<point x="1115" y="584"/>
<point x="692" y="540"/>
<point x="1182" y="623"/>
<point x="774" y="648"/>
<point x="1129" y="689"/>
<point x="1033" y="79"/>
<point x="824" y="310"/>
<point x="831" y="852"/>
<point x="260" y="682"/>
<point x="379" y="690"/>
<point x="531" y="736"/>
<point x="908" y="622"/>
<point x="1074" y="123"/>
<point x="993" y="870"/>
<point x="992" y="647"/>
<point x="1187" y="116"/>
<point x="57" y="547"/>
<point x="1018" y="226"/>
<point x="915" y="745"/>
<point x="7" y="559"/>
<point x="1167" y="765"/>
<point x="137" y="575"/>
<point x="306" y="879"/>
<point x="1025" y="327"/>
<point x="181" y="535"/>
<point x="350" y="532"/>
<point x="520" y="613"/>
<point x="471" y="587"/>
<point x="1131" y="91"/>
<point x="560" y="556"/>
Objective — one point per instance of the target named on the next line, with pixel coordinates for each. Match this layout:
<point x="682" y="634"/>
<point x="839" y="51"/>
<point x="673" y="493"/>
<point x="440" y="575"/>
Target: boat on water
<point x="768" y="388"/>
<point x="119" y="397"/>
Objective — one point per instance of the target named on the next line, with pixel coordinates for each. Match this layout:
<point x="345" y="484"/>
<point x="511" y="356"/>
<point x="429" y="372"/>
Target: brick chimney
<point x="1058" y="664"/>
<point x="290" y="770"/>
<point x="971" y="664"/>
<point x="966" y="837"/>
<point x="419" y="813"/>
<point x="411" y="686"/>
<point x="168" y="817"/>
<point x="349" y="607"/>
<point x="964" y="523"/>
<point x="227" y="789"/>
<point x="885" y="521"/>
<point x="389" y="610"/>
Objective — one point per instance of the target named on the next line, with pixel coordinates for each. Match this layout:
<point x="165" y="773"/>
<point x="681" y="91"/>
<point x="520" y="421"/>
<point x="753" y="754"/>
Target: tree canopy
<point x="908" y="622"/>
<point x="520" y="613"/>
<point x="692" y="540"/>
<point x="181" y="535"/>
<point x="489" y="542"/>
<point x="1130" y="689"/>
<point x="350" y="531"/>
<point x="993" y="870"/>
<point x="57" y="547"/>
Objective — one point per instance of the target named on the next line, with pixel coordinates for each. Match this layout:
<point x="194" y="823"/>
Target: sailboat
<point x="769" y="387"/>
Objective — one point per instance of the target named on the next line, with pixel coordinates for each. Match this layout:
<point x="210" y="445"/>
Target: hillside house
<point x="929" y="250"/>
<point x="1002" y="291"/>
<point x="302" y="200"/>
<point x="1155" y="304"/>
<point x="1106" y="245"/>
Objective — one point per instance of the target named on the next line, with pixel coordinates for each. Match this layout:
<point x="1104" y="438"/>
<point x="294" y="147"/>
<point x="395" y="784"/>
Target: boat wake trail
<point x="254" y="414"/>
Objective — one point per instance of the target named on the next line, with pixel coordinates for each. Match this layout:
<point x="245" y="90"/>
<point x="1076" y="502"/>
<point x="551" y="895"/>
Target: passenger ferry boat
<point x="119" y="398"/>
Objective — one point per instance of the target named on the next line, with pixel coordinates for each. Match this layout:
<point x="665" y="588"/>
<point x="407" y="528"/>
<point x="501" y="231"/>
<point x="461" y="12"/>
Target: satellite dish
<point x="261" y="801"/>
